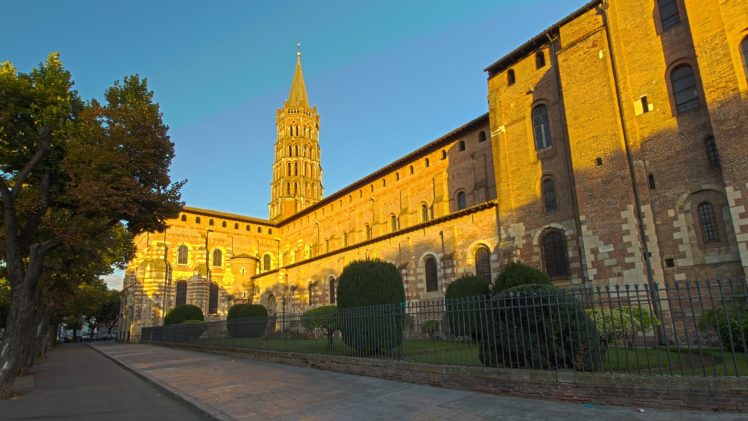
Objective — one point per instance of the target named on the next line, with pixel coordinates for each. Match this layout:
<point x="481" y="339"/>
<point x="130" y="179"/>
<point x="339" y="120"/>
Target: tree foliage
<point x="324" y="318"/>
<point x="70" y="172"/>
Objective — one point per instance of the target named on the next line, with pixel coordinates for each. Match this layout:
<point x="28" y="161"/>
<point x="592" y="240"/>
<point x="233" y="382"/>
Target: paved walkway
<point x="76" y="382"/>
<point x="233" y="388"/>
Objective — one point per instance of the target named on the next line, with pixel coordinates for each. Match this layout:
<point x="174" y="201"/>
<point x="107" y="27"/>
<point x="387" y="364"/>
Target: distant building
<point x="614" y="152"/>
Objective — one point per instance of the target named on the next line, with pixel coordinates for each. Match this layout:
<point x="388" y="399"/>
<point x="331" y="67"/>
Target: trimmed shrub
<point x="621" y="325"/>
<point x="729" y="324"/>
<point x="540" y="327"/>
<point x="430" y="328"/>
<point x="190" y="330"/>
<point x="371" y="300"/>
<point x="464" y="300"/>
<point x="246" y="320"/>
<point x="184" y="312"/>
<point x="324" y="318"/>
<point x="514" y="274"/>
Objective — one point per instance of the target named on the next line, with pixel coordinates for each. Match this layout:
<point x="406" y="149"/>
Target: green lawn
<point x="661" y="360"/>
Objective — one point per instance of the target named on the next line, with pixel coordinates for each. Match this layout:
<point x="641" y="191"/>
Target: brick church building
<point x="613" y="152"/>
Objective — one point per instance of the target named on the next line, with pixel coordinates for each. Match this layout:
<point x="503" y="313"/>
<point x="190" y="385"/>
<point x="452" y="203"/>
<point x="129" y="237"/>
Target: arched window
<point x="367" y="232"/>
<point x="345" y="239"/>
<point x="213" y="299"/>
<point x="266" y="264"/>
<point x="183" y="218"/>
<point x="397" y="176"/>
<point x="181" y="298"/>
<point x="295" y="168"/>
<point x="432" y="283"/>
<point x="223" y="224"/>
<point x="210" y="222"/>
<point x="236" y="225"/>
<point x="482" y="136"/>
<point x="444" y="154"/>
<point x="311" y="293"/>
<point x="424" y="213"/>
<point x="427" y="162"/>
<point x="288" y="168"/>
<point x="708" y="222"/>
<point x="217" y="257"/>
<point x="711" y="152"/>
<point x="483" y="263"/>
<point x="461" y="146"/>
<point x="461" y="200"/>
<point x="247" y="228"/>
<point x="553" y="254"/>
<point x="394" y="223"/>
<point x="684" y="89"/>
<point x="510" y="77"/>
<point x="182" y="255"/>
<point x="669" y="15"/>
<point x="541" y="127"/>
<point x="744" y="53"/>
<point x="411" y="169"/>
<point x="539" y="60"/>
<point x="197" y="220"/>
<point x="549" y="195"/>
<point x="332" y="290"/>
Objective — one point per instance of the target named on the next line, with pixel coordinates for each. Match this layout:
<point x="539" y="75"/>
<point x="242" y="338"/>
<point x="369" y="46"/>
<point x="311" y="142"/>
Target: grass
<point x="660" y="360"/>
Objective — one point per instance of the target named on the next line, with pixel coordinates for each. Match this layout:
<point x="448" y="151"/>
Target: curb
<point x="192" y="404"/>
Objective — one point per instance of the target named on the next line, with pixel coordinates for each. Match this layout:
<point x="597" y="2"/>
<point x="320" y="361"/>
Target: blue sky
<point x="387" y="76"/>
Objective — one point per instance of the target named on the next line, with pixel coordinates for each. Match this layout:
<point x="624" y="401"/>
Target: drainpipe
<point x="604" y="6"/>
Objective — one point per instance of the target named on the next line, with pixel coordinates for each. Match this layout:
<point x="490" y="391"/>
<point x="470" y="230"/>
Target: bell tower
<point x="297" y="173"/>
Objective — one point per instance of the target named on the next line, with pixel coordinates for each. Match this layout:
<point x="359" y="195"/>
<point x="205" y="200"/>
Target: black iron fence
<point x="687" y="328"/>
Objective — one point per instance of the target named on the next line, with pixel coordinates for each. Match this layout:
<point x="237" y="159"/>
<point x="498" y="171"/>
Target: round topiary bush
<point x="515" y="274"/>
<point x="191" y="330"/>
<point x="324" y="318"/>
<point x="247" y="320"/>
<point x="371" y="300"/>
<point x="184" y="312"/>
<point x="465" y="300"/>
<point x="540" y="327"/>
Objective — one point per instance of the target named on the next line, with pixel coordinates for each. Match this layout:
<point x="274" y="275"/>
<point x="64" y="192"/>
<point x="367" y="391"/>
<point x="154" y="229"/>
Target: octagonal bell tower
<point x="297" y="173"/>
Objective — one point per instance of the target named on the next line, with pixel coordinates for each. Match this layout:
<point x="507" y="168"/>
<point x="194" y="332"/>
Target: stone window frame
<point x="671" y="20"/>
<point x="427" y="281"/>
<point x="545" y="126"/>
<point x="549" y="197"/>
<point x="394" y="223"/>
<point x="561" y="255"/>
<point x="461" y="194"/>
<point x="673" y="66"/>
<point x="186" y="260"/>
<point x="480" y="263"/>
<point x="180" y="292"/>
<point x="267" y="262"/>
<point x="216" y="257"/>
<point x="718" y="202"/>
<point x="213" y="293"/>
<point x="332" y="288"/>
<point x="424" y="212"/>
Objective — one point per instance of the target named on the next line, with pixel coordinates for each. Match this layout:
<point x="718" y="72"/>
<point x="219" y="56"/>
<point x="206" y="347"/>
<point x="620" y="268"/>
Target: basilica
<point x="613" y="153"/>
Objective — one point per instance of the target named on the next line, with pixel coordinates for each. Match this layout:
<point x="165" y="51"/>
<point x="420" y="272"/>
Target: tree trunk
<point x="20" y="319"/>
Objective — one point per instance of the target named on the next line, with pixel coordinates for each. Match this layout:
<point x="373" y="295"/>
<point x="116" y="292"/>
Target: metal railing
<point x="687" y="329"/>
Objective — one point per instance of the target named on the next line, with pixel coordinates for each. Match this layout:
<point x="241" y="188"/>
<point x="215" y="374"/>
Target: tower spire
<point x="297" y="97"/>
<point x="297" y="173"/>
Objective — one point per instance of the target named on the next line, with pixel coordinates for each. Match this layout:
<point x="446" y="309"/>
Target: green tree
<point x="69" y="171"/>
<point x="324" y="318"/>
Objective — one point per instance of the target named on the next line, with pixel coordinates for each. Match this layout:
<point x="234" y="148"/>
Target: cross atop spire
<point x="297" y="97"/>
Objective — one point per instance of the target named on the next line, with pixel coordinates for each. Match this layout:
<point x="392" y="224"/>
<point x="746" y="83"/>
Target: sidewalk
<point x="232" y="388"/>
<point x="77" y="383"/>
